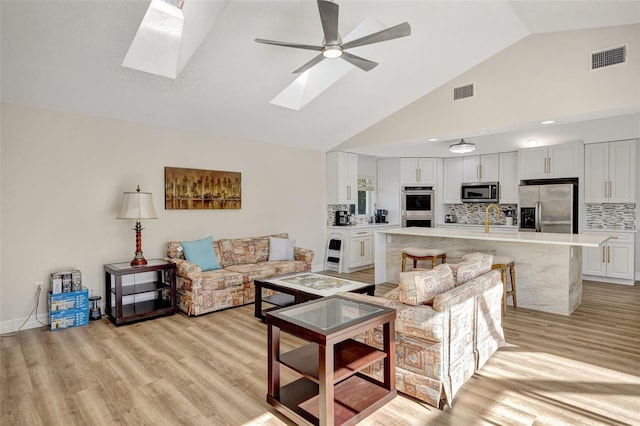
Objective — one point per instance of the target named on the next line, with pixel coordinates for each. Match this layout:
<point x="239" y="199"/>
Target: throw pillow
<point x="421" y="287"/>
<point x="474" y="266"/>
<point x="201" y="253"/>
<point x="281" y="249"/>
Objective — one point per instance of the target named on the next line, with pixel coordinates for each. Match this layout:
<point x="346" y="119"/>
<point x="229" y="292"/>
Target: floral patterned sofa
<point x="242" y="260"/>
<point x="448" y="324"/>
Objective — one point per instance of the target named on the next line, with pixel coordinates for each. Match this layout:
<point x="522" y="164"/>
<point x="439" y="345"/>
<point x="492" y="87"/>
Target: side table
<point x="134" y="293"/>
<point x="331" y="391"/>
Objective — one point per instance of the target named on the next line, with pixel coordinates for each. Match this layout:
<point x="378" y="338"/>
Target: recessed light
<point x="548" y="122"/>
<point x="533" y="142"/>
<point x="432" y="139"/>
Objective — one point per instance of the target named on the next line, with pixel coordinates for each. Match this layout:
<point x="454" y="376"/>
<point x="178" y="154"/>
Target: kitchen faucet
<point x="486" y="216"/>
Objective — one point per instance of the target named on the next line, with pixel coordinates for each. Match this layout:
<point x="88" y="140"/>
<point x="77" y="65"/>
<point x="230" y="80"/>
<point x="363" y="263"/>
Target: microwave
<point x="484" y="192"/>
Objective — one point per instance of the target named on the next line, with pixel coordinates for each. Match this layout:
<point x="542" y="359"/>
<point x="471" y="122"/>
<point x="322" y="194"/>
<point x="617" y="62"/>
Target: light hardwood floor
<point x="211" y="370"/>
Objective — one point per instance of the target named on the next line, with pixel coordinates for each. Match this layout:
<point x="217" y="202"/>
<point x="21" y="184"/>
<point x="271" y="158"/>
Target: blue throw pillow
<point x="201" y="253"/>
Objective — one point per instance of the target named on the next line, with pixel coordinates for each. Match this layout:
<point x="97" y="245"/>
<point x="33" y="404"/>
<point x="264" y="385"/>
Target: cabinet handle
<point x="478" y="172"/>
<point x="608" y="254"/>
<point x="348" y="192"/>
<point x="604" y="260"/>
<point x="606" y="186"/>
<point x="610" y="189"/>
<point x="361" y="248"/>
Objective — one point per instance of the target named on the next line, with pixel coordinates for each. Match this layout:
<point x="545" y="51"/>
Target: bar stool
<point x="418" y="253"/>
<point x="503" y="263"/>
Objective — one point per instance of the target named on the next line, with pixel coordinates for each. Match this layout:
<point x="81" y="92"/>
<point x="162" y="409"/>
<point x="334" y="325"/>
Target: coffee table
<point x="331" y="391"/>
<point x="297" y="288"/>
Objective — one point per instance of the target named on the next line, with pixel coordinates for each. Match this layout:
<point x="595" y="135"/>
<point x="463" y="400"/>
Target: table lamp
<point x="137" y="205"/>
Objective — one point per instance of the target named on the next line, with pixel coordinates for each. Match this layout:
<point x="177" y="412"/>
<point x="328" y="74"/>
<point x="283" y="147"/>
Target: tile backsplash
<point x="611" y="216"/>
<point x="473" y="213"/>
<point x="355" y="219"/>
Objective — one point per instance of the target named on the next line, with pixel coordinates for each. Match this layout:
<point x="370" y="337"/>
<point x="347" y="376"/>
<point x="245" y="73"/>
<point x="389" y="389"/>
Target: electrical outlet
<point x="38" y="287"/>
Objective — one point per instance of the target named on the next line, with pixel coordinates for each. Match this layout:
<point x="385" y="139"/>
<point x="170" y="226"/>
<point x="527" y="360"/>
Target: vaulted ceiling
<point x="67" y="55"/>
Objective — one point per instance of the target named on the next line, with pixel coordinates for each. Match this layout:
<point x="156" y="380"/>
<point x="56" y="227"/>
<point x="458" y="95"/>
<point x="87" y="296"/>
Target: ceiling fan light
<point x="462" y="147"/>
<point x="332" y="52"/>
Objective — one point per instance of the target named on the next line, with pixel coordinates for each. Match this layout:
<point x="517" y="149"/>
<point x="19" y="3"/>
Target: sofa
<point x="442" y="334"/>
<point x="241" y="261"/>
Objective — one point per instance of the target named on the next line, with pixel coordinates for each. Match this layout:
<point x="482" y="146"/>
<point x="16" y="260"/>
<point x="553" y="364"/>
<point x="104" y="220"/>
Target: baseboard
<point x="608" y="280"/>
<point x="10" y="326"/>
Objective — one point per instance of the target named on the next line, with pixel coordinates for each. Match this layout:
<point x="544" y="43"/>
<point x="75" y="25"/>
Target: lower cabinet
<point x="358" y="246"/>
<point x="613" y="261"/>
<point x="361" y="249"/>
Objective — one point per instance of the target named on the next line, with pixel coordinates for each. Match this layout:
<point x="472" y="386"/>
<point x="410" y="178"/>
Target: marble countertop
<point x="364" y="226"/>
<point x="611" y="230"/>
<point x="582" y="240"/>
<point x="477" y="225"/>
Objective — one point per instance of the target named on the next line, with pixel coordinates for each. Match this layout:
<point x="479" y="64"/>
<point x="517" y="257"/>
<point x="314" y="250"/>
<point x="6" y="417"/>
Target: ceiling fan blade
<point x="363" y="64"/>
<point x="329" y="17"/>
<point x="309" y="64"/>
<point x="286" y="44"/>
<point x="397" y="31"/>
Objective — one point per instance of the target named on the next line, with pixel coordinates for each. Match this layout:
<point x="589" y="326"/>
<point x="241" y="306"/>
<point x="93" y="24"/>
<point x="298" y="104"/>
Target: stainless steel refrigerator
<point x="548" y="206"/>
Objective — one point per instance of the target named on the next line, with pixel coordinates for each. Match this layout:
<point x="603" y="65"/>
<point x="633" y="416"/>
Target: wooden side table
<point x="134" y="293"/>
<point x="332" y="390"/>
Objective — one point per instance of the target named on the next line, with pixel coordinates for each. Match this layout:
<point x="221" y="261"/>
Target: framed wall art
<point x="195" y="189"/>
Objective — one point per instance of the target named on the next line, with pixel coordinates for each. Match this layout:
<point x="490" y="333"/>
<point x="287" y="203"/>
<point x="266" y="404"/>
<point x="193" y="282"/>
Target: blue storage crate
<point x="71" y="300"/>
<point x="69" y="318"/>
<point x="68" y="309"/>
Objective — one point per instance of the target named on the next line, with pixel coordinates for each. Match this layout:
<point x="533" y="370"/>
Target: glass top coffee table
<point x="332" y="389"/>
<point x="301" y="287"/>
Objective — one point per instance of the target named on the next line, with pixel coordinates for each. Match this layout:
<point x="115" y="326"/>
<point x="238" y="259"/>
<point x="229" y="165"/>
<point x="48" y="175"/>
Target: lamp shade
<point x="137" y="205"/>
<point x="462" y="147"/>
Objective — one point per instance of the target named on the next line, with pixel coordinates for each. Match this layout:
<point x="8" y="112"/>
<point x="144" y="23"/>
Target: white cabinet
<point x="610" y="173"/>
<point x="388" y="188"/>
<point x="509" y="178"/>
<point x="452" y="180"/>
<point x="554" y="161"/>
<point x="358" y="248"/>
<point x="418" y="171"/>
<point x="614" y="259"/>
<point x="480" y="168"/>
<point x="361" y="253"/>
<point x="342" y="178"/>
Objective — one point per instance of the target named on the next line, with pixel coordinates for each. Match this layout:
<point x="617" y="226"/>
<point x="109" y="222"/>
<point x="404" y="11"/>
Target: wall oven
<point x="418" y="206"/>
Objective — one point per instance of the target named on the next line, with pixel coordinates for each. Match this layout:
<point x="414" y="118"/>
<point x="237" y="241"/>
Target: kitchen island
<point x="548" y="266"/>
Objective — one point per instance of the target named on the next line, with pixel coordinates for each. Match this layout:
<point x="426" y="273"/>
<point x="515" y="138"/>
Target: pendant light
<point x="462" y="147"/>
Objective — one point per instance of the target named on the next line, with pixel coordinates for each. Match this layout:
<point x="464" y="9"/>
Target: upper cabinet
<point x="610" y="173"/>
<point x="418" y="171"/>
<point x="554" y="161"/>
<point x="342" y="178"/>
<point x="452" y="180"/>
<point x="480" y="168"/>
<point x="509" y="178"/>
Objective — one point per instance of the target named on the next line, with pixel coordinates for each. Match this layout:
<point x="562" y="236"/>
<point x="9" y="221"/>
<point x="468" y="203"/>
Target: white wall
<point x="637" y="211"/>
<point x="367" y="166"/>
<point x="62" y="181"/>
<point x="541" y="76"/>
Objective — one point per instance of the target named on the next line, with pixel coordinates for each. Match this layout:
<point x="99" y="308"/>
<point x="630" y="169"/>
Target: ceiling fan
<point x="332" y="45"/>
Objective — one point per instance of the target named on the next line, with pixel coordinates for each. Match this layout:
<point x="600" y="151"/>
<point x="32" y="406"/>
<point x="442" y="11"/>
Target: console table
<point x="331" y="391"/>
<point x="133" y="293"/>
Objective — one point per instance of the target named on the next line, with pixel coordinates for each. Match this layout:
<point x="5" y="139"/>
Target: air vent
<point x="463" y="92"/>
<point x="606" y="58"/>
